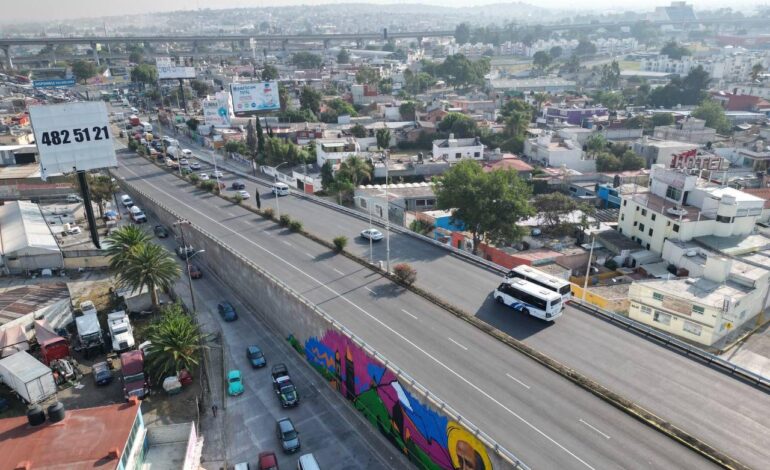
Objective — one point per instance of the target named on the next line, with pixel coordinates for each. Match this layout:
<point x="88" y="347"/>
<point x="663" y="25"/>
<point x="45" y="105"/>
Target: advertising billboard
<point x="167" y="69"/>
<point x="72" y="137"/>
<point x="217" y="111"/>
<point x="251" y="98"/>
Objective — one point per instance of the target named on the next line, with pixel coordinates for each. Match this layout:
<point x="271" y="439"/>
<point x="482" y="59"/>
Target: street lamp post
<point x="275" y="192"/>
<point x="387" y="215"/>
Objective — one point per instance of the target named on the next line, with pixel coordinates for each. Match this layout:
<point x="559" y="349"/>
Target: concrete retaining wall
<point x="425" y="429"/>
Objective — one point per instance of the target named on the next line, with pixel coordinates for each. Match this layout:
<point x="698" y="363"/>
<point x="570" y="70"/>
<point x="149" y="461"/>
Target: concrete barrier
<point x="428" y="431"/>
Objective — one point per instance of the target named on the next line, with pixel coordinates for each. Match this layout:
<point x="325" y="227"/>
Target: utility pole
<point x="588" y="268"/>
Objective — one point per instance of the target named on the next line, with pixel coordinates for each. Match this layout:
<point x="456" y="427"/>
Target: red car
<point x="195" y="272"/>
<point x="267" y="461"/>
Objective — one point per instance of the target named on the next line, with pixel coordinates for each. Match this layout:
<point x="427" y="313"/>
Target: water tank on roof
<point x="56" y="412"/>
<point x="35" y="415"/>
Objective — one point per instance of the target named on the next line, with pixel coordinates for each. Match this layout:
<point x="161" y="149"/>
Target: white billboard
<point x="251" y="98"/>
<point x="72" y="137"/>
<point x="217" y="111"/>
<point x="167" y="69"/>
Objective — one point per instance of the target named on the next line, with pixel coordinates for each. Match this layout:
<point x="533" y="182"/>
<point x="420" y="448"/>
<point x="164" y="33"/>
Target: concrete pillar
<point x="359" y="43"/>
<point x="284" y="43"/>
<point x="8" y="60"/>
<point x="96" y="53"/>
<point x="53" y="55"/>
<point x="194" y="51"/>
<point x="326" y="43"/>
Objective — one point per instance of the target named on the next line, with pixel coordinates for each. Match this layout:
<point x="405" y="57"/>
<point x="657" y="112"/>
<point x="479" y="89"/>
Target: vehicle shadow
<point x="518" y="325"/>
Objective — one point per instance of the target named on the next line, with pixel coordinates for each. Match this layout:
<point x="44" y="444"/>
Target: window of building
<point x="641" y="227"/>
<point x="649" y="232"/>
<point x="635" y="223"/>
<point x="692" y="328"/>
<point x="676" y="227"/>
<point x="419" y="202"/>
<point x="620" y="230"/>
<point x="698" y="309"/>
<point x="662" y="318"/>
<point x="648" y="246"/>
<point x="674" y="193"/>
<point x="458" y="156"/>
<point x="622" y="216"/>
<point x="637" y="208"/>
<point x="657" y="296"/>
<point x="476" y="154"/>
<point x="724" y="219"/>
<point x="646" y="309"/>
<point x="644" y="212"/>
<point x="624" y="202"/>
<point x="652" y="216"/>
<point x="363" y="203"/>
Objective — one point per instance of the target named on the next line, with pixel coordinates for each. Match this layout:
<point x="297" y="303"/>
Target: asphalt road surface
<point x="545" y="420"/>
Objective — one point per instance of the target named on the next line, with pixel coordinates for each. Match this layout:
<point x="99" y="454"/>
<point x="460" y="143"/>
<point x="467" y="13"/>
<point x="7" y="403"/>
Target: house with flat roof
<point x="689" y="129"/>
<point x="453" y="150"/>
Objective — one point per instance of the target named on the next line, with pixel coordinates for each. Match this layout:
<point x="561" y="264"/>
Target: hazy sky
<point x="52" y="10"/>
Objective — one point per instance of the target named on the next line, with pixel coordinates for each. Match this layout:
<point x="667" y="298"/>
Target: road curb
<point x="616" y="400"/>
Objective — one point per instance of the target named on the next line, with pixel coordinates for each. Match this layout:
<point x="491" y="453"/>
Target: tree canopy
<point x="674" y="50"/>
<point x="461" y="125"/>
<point x="686" y="91"/>
<point x="489" y="204"/>
<point x="714" y="115"/>
<point x="176" y="343"/>
<point x="269" y="72"/>
<point x="310" y="99"/>
<point x="306" y="60"/>
<point x="83" y="69"/>
<point x="343" y="57"/>
<point x="144" y="73"/>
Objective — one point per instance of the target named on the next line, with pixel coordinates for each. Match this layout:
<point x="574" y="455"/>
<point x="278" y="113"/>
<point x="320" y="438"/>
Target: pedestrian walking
<point x="256" y="194"/>
<point x="214" y="410"/>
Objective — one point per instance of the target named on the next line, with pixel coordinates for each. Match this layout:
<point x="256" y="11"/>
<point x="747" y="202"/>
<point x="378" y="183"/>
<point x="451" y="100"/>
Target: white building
<point x="680" y="206"/>
<point x="27" y="243"/>
<point x="554" y="151"/>
<point x="454" y="150"/>
<point x="337" y="150"/>
<point x="688" y="130"/>
<point x="729" y="67"/>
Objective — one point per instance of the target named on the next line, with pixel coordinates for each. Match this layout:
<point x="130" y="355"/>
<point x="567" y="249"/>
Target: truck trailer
<point x="29" y="378"/>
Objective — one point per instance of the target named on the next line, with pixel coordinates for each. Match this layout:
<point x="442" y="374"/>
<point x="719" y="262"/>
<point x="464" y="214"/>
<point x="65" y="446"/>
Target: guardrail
<point x="400" y="374"/>
<point x="670" y="341"/>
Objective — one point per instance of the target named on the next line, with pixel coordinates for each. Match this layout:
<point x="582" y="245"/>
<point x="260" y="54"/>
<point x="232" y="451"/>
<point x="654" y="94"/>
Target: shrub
<point x="284" y="220"/>
<point x="295" y="226"/>
<point x="237" y="198"/>
<point x="208" y="185"/>
<point x="405" y="273"/>
<point x="611" y="264"/>
<point x="340" y="243"/>
<point x="193" y="178"/>
<point x="133" y="144"/>
<point x="267" y="213"/>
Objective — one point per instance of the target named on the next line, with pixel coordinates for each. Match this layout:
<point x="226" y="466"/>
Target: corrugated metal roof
<point x="24" y="231"/>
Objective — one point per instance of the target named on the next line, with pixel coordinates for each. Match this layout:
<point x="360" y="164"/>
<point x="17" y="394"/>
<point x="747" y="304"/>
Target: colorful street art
<point x="429" y="439"/>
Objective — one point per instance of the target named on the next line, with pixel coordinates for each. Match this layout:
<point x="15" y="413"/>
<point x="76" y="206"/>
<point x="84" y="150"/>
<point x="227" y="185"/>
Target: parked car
<point x="372" y="234"/>
<point x="279" y="370"/>
<point x="195" y="166"/>
<point x="203" y="176"/>
<point x="256" y="356"/>
<point x="227" y="311"/>
<point x="184" y="252"/>
<point x="288" y="435"/>
<point x="238" y="185"/>
<point x="185" y="170"/>
<point x="102" y="373"/>
<point x="267" y="461"/>
<point x="160" y="231"/>
<point x="234" y="383"/>
<point x="73" y="198"/>
<point x="184" y="162"/>
<point x="287" y="392"/>
<point x="195" y="271"/>
<point x="244" y="194"/>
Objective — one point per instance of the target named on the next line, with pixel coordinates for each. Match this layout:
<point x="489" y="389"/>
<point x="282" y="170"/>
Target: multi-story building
<point x="454" y="150"/>
<point x="660" y="151"/>
<point x="574" y="115"/>
<point x="680" y="206"/>
<point x="722" y="68"/>
<point x="688" y="130"/>
<point x="552" y="150"/>
<point x="337" y="150"/>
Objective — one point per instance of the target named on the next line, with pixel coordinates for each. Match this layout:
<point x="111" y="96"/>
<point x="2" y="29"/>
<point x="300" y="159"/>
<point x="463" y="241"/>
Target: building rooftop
<point x="700" y="290"/>
<point x="23" y="228"/>
<point x="508" y="162"/>
<point x="736" y="245"/>
<point x="21" y="301"/>
<point x="397" y="190"/>
<point x="87" y="439"/>
<point x="20" y="171"/>
<point x="668" y="208"/>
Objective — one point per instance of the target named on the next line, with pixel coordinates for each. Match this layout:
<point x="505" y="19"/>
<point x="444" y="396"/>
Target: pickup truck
<point x="278" y="371"/>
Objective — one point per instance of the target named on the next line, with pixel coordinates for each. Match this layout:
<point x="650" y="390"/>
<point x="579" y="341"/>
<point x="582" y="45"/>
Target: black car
<point x="238" y="185"/>
<point x="160" y="231"/>
<point x="185" y="252"/>
<point x="227" y="311"/>
<point x="195" y="271"/>
<point x="287" y="392"/>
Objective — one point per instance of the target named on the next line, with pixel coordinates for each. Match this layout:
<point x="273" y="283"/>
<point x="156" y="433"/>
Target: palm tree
<point x="383" y="138"/>
<point x="176" y="343"/>
<point x="121" y="242"/>
<point x="357" y="170"/>
<point x="150" y="266"/>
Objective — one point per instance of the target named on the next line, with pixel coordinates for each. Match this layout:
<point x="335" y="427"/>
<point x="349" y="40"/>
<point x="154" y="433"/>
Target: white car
<point x="187" y="152"/>
<point x="372" y="234"/>
<point x="184" y="161"/>
<point x="203" y="177"/>
<point x="217" y="174"/>
<point x="195" y="166"/>
<point x="244" y="194"/>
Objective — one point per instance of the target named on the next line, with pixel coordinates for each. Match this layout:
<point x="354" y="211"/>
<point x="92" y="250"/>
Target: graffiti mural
<point x="429" y="439"/>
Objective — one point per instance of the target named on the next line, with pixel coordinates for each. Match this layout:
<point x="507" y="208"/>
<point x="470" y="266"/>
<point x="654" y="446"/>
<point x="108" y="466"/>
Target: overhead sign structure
<point x="251" y="98"/>
<point x="72" y="137"/>
<point x="53" y="83"/>
<point x="167" y="69"/>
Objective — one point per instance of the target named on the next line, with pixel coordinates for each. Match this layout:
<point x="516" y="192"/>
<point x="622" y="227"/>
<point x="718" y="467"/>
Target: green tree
<point x="306" y="60"/>
<point x="460" y="125"/>
<point x="756" y="72"/>
<point x="251" y="139"/>
<point x="418" y="83"/>
<point x="269" y="73"/>
<point x="367" y="76"/>
<point x="605" y="161"/>
<point x="714" y="115"/>
<point x="83" y="70"/>
<point x="356" y="170"/>
<point x="541" y="60"/>
<point x="201" y="88"/>
<point x="553" y="208"/>
<point x="121" y="242"/>
<point x="662" y="119"/>
<point x="610" y="75"/>
<point x="176" y="343"/>
<point x="674" y="51"/>
<point x="145" y="73"/>
<point x="489" y="204"/>
<point x="458" y="70"/>
<point x="637" y="122"/>
<point x="462" y="33"/>
<point x="596" y="143"/>
<point x="149" y="266"/>
<point x="136" y="57"/>
<point x="343" y="57"/>
<point x="192" y="124"/>
<point x="383" y="138"/>
<point x="102" y="190"/>
<point x="260" y="140"/>
<point x="556" y="52"/>
<point x="310" y="99"/>
<point x="236" y="146"/>
<point x="631" y="161"/>
<point x="585" y="47"/>
<point x="358" y="131"/>
<point x="327" y="175"/>
<point x="408" y="110"/>
<point x="283" y="97"/>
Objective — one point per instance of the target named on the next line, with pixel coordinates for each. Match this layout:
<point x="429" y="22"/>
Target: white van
<point x="242" y="466"/>
<point x="126" y="200"/>
<point x="280" y="189"/>
<point x="147" y="126"/>
<point x="307" y="462"/>
<point x="137" y="215"/>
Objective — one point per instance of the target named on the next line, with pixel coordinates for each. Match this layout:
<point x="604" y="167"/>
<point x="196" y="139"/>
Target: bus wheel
<point x="499" y="300"/>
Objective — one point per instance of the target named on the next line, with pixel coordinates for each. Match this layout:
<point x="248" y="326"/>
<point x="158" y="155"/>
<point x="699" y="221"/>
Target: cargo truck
<point x="134" y="379"/>
<point x="90" y="335"/>
<point x="29" y="378"/>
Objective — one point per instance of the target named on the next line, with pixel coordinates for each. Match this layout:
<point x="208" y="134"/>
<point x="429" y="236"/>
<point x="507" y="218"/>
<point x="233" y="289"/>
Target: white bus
<point x="530" y="298"/>
<point x="543" y="279"/>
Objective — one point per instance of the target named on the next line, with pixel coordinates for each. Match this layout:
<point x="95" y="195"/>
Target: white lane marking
<point x="285" y="243"/>
<point x="413" y="316"/>
<point x="309" y="255"/>
<point x="266" y="232"/>
<point x="460" y="345"/>
<point x="375" y="319"/>
<point x="519" y="381"/>
<point x="605" y="436"/>
<point x="338" y="271"/>
<point x="370" y="290"/>
<point x="231" y="214"/>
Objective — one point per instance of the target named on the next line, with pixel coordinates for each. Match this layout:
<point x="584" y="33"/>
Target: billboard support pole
<point x="89" y="208"/>
<point x="181" y="93"/>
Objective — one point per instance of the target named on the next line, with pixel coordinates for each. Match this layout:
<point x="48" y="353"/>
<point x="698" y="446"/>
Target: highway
<point x="661" y="380"/>
<point x="545" y="420"/>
